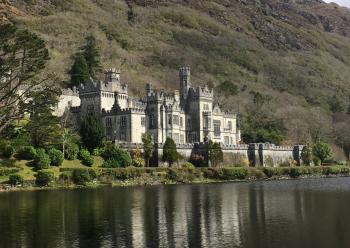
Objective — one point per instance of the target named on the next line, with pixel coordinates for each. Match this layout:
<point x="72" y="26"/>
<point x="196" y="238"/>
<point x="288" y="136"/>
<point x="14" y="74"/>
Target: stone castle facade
<point x="187" y="116"/>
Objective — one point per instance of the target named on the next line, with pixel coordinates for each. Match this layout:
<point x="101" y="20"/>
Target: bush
<point x="86" y="157"/>
<point x="7" y="151"/>
<point x="8" y="171"/>
<point x="189" y="166"/>
<point x="56" y="157"/>
<point x="137" y="159"/>
<point x="317" y="161"/>
<point x="115" y="157"/>
<point x="71" y="151"/>
<point x="180" y="175"/>
<point x="44" y="178"/>
<point x="97" y="152"/>
<point x="15" y="179"/>
<point x="26" y="153"/>
<point x="41" y="159"/>
<point x="234" y="173"/>
<point x="83" y="176"/>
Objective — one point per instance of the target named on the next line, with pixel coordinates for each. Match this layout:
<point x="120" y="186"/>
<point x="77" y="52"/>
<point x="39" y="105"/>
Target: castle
<point x="189" y="116"/>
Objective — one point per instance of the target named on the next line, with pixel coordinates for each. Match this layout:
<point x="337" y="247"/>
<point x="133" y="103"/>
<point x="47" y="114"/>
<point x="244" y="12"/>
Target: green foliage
<point x="322" y="151"/>
<point x="148" y="147"/>
<point x="188" y="166"/>
<point x="170" y="153"/>
<point x="137" y="159"/>
<point x="86" y="157"/>
<point x="115" y="157"/>
<point x="306" y="155"/>
<point x="335" y="104"/>
<point x="79" y="73"/>
<point x="71" y="151"/>
<point x="83" y="176"/>
<point x="8" y="171"/>
<point x="91" y="131"/>
<point x="26" y="153"/>
<point x="7" y="150"/>
<point x="215" y="154"/>
<point x="56" y="157"/>
<point x="235" y="173"/>
<point x="91" y="55"/>
<point x="41" y="159"/>
<point x="44" y="178"/>
<point x="228" y="88"/>
<point x="15" y="179"/>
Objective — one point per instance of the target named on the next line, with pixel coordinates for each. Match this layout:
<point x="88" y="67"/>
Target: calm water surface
<point x="299" y="213"/>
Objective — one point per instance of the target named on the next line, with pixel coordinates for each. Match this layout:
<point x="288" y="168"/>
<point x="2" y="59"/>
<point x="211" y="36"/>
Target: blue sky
<point x="340" y="2"/>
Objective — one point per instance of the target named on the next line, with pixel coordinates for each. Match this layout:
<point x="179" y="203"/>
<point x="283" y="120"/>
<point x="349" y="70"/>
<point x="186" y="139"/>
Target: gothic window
<point x="176" y="120"/>
<point x="108" y="122"/>
<point x="123" y="121"/>
<point x="207" y="122"/>
<point x="143" y="121"/>
<point x="206" y="107"/>
<point x="90" y="108"/>
<point x="189" y="124"/>
<point x="182" y="138"/>
<point x="151" y="121"/>
<point x="227" y="140"/>
<point x="123" y="136"/>
<point x="217" y="126"/>
<point x="229" y="124"/>
<point x="181" y="122"/>
<point x="170" y="121"/>
<point x="176" y="138"/>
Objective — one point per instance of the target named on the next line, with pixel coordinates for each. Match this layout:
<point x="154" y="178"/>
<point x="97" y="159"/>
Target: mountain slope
<point x="295" y="53"/>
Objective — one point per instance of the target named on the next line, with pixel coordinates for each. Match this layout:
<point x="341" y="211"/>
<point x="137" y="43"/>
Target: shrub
<point x="44" y="178"/>
<point x="86" y="157"/>
<point x="83" y="176"/>
<point x="334" y="170"/>
<point x="115" y="156"/>
<point x="26" y="153"/>
<point x="234" y="173"/>
<point x="317" y="161"/>
<point x="7" y="151"/>
<point x="56" y="157"/>
<point x="66" y="176"/>
<point x="41" y="159"/>
<point x="137" y="159"/>
<point x="189" y="166"/>
<point x="71" y="151"/>
<point x="8" y="171"/>
<point x="97" y="152"/>
<point x="255" y="173"/>
<point x="180" y="175"/>
<point x="15" y="179"/>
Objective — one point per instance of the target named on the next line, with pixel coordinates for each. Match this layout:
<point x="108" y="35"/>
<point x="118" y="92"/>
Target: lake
<point x="293" y="213"/>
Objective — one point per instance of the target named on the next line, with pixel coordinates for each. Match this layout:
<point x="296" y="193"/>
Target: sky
<point x="340" y="2"/>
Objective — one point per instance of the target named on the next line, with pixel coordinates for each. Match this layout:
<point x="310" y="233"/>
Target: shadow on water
<point x="298" y="213"/>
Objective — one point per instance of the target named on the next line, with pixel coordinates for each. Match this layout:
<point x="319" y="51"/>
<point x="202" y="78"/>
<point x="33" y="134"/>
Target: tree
<point x="79" y="73"/>
<point x="306" y="155"/>
<point x="322" y="151"/>
<point x="91" y="55"/>
<point x="91" y="132"/>
<point x="115" y="156"/>
<point x="148" y="146"/>
<point x="215" y="154"/>
<point x="23" y="57"/>
<point x="170" y="153"/>
<point x="43" y="126"/>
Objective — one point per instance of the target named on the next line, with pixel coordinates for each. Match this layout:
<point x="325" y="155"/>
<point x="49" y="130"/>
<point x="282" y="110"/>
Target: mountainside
<point x="291" y="56"/>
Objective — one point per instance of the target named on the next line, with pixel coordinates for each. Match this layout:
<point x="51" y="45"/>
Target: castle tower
<point x="112" y="75"/>
<point x="185" y="82"/>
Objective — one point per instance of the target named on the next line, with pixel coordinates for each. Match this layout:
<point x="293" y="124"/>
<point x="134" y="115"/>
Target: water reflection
<point x="311" y="213"/>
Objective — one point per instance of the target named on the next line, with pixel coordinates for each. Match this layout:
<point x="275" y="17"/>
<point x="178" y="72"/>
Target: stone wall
<point x="254" y="155"/>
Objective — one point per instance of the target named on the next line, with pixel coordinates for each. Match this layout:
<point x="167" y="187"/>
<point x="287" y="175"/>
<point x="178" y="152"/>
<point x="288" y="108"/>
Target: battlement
<point x="70" y="92"/>
<point x="203" y="92"/>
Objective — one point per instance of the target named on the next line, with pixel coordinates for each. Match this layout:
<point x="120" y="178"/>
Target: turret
<point x="185" y="81"/>
<point x="149" y="89"/>
<point x="112" y="75"/>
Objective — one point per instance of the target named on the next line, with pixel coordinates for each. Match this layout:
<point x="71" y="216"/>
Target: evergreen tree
<point x="91" y="132"/>
<point x="148" y="147"/>
<point x="91" y="55"/>
<point x="215" y="154"/>
<point x="306" y="155"/>
<point x="322" y="151"/>
<point x="79" y="73"/>
<point x="170" y="154"/>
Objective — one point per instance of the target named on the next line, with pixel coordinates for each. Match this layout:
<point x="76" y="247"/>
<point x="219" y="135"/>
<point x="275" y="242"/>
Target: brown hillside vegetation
<point x="288" y="59"/>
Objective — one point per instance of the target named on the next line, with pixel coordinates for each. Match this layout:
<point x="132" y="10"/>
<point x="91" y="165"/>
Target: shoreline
<point x="7" y="188"/>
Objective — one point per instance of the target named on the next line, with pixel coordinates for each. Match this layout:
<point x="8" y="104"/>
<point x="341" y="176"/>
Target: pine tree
<point x="170" y="154"/>
<point x="91" y="55"/>
<point x="79" y="73"/>
<point x="92" y="132"/>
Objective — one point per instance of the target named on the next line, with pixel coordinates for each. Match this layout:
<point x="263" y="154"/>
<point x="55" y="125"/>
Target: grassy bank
<point x="71" y="177"/>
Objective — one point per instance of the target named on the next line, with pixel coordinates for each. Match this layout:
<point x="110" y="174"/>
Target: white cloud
<point x="340" y="2"/>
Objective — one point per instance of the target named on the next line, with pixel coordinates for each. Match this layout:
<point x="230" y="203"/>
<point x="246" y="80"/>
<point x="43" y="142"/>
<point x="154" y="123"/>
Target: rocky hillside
<point x="292" y="54"/>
